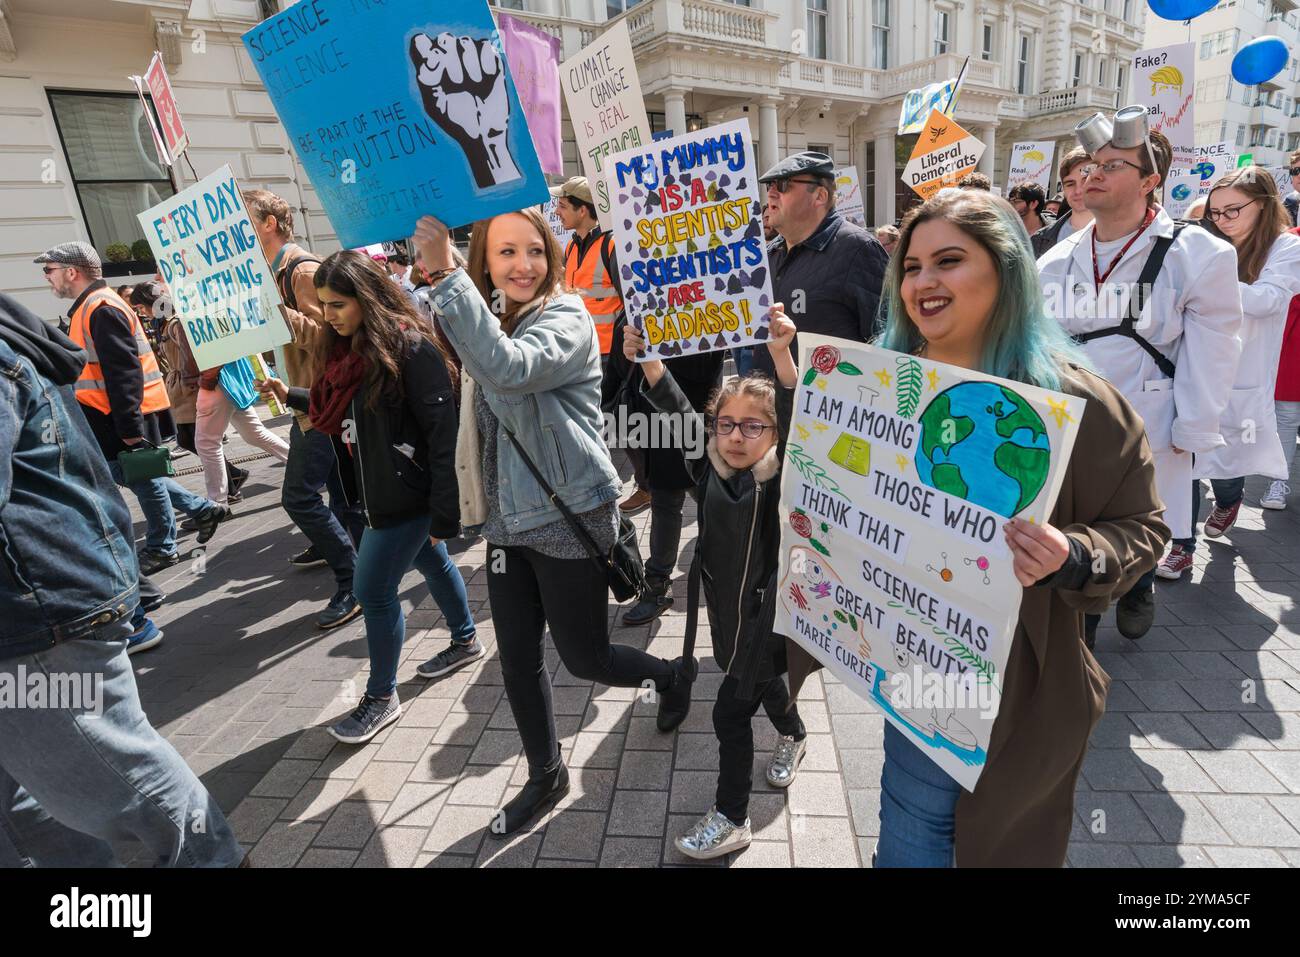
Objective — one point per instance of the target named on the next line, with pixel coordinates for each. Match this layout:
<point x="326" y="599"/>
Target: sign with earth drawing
<point x="900" y="474"/>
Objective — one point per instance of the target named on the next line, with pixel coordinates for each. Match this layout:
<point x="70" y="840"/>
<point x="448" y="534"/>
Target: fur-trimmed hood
<point x="764" y="469"/>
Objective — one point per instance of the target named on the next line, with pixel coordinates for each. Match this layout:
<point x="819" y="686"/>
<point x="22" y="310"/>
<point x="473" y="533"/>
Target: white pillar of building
<point x="768" y="147"/>
<point x="549" y="8"/>
<point x="988" y="135"/>
<point x="884" y="178"/>
<point x="839" y="26"/>
<point x="675" y="110"/>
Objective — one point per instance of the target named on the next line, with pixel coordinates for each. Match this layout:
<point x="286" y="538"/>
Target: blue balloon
<point x="1260" y="60"/>
<point x="1181" y="9"/>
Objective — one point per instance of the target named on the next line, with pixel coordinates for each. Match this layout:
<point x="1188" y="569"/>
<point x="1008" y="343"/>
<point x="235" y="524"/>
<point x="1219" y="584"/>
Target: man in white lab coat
<point x="1168" y="338"/>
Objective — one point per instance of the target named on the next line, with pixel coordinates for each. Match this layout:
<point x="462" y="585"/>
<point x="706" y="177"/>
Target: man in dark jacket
<point x="1074" y="214"/>
<point x="80" y="765"/>
<point x="72" y="271"/>
<point x="827" y="271"/>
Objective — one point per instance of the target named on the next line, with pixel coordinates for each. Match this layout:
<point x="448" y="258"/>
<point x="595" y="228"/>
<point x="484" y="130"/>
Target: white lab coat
<point x="1248" y="424"/>
<point x="1192" y="316"/>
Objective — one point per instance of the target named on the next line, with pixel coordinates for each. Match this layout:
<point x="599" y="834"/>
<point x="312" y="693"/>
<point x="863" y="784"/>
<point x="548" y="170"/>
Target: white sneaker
<point x="1275" y="497"/>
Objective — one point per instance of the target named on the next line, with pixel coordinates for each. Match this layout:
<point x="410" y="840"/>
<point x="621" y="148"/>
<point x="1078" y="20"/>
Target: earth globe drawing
<point x="1181" y="192"/>
<point x="983" y="443"/>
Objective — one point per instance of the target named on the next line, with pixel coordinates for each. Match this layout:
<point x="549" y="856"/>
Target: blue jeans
<point x="71" y="781"/>
<point x="386" y="554"/>
<point x="157" y="498"/>
<point x="333" y="531"/>
<point x="918" y="808"/>
<point x="1227" y="493"/>
<point x="744" y="358"/>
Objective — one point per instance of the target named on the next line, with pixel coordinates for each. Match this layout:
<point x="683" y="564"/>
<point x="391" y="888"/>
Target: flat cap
<point x="818" y="164"/>
<point x="71" y="254"/>
<point x="577" y="187"/>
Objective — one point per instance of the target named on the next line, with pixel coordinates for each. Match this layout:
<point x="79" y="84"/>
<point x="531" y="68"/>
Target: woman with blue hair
<point x="962" y="288"/>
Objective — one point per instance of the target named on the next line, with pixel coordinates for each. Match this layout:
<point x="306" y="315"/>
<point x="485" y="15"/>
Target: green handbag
<point x="141" y="465"/>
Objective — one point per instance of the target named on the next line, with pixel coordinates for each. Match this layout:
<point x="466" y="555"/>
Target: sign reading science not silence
<point x="894" y="573"/>
<point x="689" y="241"/>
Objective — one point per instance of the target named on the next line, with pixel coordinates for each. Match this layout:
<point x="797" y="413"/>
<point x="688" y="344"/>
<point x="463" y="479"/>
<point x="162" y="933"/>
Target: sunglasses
<point x="49" y="269"/>
<point x="783" y="186"/>
<point x="748" y="428"/>
<point x="1295" y="170"/>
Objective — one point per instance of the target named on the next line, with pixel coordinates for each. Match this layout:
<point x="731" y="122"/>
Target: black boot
<point x="1135" y="613"/>
<point x="650" y="604"/>
<point x="535" y="798"/>
<point x="675" y="700"/>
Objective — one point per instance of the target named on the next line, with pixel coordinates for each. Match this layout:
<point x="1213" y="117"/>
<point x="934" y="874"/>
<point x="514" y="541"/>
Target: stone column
<point x="885" y="178"/>
<point x="988" y="135"/>
<point x="768" y="147"/>
<point x="675" y="110"/>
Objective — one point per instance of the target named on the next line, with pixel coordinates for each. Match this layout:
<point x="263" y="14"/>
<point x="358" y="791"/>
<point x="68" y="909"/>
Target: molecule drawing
<point x="943" y="571"/>
<point x="982" y="564"/>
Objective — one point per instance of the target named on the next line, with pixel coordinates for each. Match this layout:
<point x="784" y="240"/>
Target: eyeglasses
<point x="49" y="269"/>
<point x="1228" y="212"/>
<point x="783" y="186"/>
<point x="1108" y="167"/>
<point x="748" y="428"/>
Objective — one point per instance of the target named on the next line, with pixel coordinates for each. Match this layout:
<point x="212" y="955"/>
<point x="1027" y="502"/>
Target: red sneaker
<point x="1174" y="564"/>
<point x="1221" y="519"/>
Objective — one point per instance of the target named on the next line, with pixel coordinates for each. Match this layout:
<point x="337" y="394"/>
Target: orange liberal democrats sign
<point x="943" y="154"/>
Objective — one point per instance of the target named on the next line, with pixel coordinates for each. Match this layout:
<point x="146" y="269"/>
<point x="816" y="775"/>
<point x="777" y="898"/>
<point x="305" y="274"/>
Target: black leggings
<point x="733" y="723"/>
<point x="529" y="591"/>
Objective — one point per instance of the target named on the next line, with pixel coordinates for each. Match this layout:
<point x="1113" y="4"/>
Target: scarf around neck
<point x="335" y="387"/>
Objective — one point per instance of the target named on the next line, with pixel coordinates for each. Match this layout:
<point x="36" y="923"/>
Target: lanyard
<point x="1099" y="277"/>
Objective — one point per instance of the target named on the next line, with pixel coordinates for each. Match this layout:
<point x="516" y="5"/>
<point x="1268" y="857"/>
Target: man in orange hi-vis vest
<point x="121" y="393"/>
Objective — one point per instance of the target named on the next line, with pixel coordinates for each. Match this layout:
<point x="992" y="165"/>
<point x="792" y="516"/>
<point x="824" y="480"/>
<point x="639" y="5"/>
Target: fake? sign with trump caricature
<point x="688" y="232"/>
<point x="899" y="474"/>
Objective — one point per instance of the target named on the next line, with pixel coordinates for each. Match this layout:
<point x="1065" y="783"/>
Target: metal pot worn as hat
<point x="1127" y="131"/>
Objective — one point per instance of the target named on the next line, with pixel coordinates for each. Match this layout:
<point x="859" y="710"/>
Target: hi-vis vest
<point x="590" y="280"/>
<point x="90" y="387"/>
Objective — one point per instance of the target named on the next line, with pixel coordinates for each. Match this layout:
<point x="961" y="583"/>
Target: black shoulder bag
<point x="622" y="566"/>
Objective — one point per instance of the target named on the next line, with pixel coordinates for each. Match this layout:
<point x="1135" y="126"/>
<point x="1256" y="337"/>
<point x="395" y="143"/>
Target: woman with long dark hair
<point x="962" y="288"/>
<point x="385" y="397"/>
<point x="532" y="364"/>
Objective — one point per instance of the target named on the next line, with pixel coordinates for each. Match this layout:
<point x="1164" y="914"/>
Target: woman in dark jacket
<point x="663" y="471"/>
<point x="385" y="397"/>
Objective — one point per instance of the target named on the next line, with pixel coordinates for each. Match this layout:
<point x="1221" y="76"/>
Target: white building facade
<point x="1261" y="120"/>
<point x="827" y="75"/>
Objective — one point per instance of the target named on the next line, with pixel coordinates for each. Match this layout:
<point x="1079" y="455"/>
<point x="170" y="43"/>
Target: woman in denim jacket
<point x="532" y="369"/>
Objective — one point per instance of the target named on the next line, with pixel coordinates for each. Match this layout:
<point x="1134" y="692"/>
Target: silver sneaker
<point x="713" y="836"/>
<point x="455" y="655"/>
<point x="785" y="761"/>
<point x="1275" y="498"/>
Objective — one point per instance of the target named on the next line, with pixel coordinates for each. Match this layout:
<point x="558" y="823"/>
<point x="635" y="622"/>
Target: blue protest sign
<point x="398" y="109"/>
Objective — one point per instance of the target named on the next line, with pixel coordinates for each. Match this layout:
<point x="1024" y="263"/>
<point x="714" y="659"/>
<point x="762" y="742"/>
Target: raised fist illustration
<point x="463" y="82"/>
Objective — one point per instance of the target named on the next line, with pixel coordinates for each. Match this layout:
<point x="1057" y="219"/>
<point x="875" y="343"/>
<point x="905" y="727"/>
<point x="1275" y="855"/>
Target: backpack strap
<point x="1127" y="327"/>
<point x="285" y="280"/>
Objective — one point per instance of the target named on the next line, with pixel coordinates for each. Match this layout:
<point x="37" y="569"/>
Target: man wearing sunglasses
<point x="1292" y="200"/>
<point x="1148" y="298"/>
<point x="826" y="270"/>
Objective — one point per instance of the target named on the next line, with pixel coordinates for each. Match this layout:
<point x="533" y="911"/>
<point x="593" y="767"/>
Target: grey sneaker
<point x="367" y="719"/>
<point x="785" y="761"/>
<point x="713" y="836"/>
<point x="455" y="656"/>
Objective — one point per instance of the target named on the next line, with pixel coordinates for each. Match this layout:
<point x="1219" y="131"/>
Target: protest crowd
<point x="437" y="390"/>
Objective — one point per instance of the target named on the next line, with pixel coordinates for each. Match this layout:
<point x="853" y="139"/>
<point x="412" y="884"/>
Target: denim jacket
<point x="542" y="383"/>
<point x="67" y="565"/>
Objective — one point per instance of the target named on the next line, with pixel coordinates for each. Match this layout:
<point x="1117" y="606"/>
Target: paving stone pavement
<point x="1196" y="762"/>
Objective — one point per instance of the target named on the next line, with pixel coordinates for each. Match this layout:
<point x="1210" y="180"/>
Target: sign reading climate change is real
<point x="397" y="110"/>
<point x="894" y="573"/>
<point x="688" y="232"/>
<point x="214" y="269"/>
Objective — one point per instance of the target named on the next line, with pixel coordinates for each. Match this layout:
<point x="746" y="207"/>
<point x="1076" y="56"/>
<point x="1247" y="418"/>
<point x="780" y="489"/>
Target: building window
<point x="1217" y="44"/>
<point x="1078" y="70"/>
<point x="114" y="170"/>
<point x="880" y="29"/>
<point x="510" y="4"/>
<point x="1293" y="142"/>
<point x="817" y="17"/>
<point x="1101" y="74"/>
<point x="267" y="8"/>
<point x="1128" y="11"/>
<point x="1119" y="81"/>
<point x="986" y="43"/>
<point x="942" y="26"/>
<point x="614" y="8"/>
<point x="1023" y="77"/>
<point x="1241" y="135"/>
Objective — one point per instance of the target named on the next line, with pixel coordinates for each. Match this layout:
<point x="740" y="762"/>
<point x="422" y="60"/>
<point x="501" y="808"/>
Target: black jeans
<point x="665" y="534"/>
<point x="1143" y="584"/>
<point x="333" y="530"/>
<point x="529" y="591"/>
<point x="733" y="723"/>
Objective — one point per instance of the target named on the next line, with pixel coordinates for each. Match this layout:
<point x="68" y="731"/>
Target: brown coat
<point x="1054" y="691"/>
<point x="305" y="324"/>
<point x="182" y="387"/>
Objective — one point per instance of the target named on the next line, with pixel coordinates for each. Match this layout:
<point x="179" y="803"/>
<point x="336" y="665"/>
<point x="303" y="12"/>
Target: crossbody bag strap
<point x="583" y="535"/>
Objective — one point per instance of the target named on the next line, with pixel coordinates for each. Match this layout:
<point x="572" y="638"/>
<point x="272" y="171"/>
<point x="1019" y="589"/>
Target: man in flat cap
<point x="122" y="395"/>
<point x="827" y="271"/>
